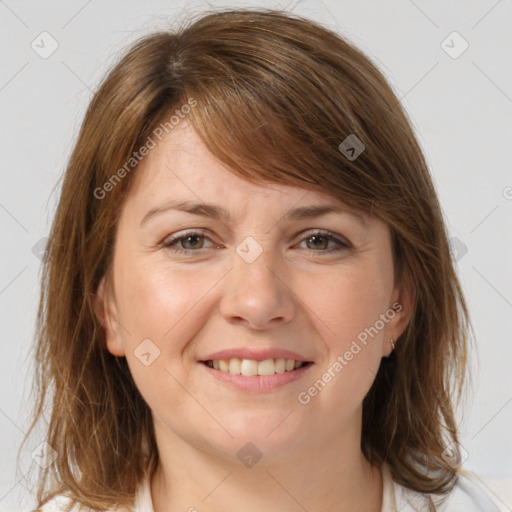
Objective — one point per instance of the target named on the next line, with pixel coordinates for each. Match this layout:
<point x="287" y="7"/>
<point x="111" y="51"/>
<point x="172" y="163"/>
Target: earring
<point x="392" y="341"/>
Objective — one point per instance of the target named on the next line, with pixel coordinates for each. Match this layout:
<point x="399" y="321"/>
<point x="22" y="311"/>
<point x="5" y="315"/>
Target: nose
<point x="257" y="295"/>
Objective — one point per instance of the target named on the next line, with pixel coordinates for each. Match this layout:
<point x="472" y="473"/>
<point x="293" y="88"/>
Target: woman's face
<point x="206" y="263"/>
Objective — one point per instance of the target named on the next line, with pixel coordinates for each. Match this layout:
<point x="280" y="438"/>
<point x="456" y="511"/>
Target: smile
<point x="249" y="367"/>
<point x="242" y="374"/>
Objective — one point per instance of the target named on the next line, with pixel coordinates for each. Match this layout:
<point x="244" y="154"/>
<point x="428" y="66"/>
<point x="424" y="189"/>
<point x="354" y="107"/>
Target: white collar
<point x="144" y="503"/>
<point x="467" y="495"/>
<point x="388" y="491"/>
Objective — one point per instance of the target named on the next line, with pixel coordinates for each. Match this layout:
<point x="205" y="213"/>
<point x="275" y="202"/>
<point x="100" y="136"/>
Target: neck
<point x="324" y="476"/>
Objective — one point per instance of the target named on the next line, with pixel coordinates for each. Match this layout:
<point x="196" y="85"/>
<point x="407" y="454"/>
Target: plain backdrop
<point x="459" y="100"/>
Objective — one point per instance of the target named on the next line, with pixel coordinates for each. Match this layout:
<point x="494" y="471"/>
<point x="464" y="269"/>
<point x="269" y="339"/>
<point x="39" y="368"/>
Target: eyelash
<point x="171" y="243"/>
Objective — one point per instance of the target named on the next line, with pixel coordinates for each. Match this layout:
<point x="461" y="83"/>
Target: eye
<point x="323" y="241"/>
<point x="188" y="242"/>
<point x="315" y="241"/>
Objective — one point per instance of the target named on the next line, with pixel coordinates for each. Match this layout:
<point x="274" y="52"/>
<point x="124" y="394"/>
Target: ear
<point x="402" y="303"/>
<point x="105" y="310"/>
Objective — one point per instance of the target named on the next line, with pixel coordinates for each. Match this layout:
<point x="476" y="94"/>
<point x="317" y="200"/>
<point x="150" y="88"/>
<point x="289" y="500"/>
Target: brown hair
<point x="274" y="95"/>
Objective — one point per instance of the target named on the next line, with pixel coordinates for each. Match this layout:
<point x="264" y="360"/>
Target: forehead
<point x="181" y="166"/>
<point x="181" y="161"/>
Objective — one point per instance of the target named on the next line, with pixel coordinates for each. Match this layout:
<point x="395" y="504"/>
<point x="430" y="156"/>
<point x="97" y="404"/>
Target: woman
<point x="248" y="297"/>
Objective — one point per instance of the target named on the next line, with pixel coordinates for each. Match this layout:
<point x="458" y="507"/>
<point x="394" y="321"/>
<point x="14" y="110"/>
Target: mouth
<point x="251" y="367"/>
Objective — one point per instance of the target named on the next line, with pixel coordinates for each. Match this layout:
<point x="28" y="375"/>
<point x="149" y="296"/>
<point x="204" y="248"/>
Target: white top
<point x="466" y="496"/>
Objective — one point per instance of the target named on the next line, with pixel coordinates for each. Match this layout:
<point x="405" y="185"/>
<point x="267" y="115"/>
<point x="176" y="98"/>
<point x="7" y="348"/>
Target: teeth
<point x="235" y="366"/>
<point x="280" y="365"/>
<point x="266" y="367"/>
<point x="250" y="367"/>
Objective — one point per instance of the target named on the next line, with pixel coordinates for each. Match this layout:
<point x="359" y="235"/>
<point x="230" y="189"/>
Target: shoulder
<point x="63" y="504"/>
<point x="467" y="495"/>
<point x="60" y="504"/>
<point x="142" y="502"/>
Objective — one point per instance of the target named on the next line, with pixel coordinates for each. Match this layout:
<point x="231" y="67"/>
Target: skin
<point x="296" y="295"/>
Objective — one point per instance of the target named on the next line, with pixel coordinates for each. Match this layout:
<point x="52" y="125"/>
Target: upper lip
<point x="258" y="355"/>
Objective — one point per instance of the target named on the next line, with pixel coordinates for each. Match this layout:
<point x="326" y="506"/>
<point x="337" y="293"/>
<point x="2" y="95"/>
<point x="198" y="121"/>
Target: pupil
<point x="318" y="241"/>
<point x="192" y="241"/>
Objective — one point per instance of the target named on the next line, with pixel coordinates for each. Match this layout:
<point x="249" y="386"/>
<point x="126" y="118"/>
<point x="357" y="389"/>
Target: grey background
<point x="461" y="110"/>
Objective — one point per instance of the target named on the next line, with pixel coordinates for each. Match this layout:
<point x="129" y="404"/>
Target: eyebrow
<point x="217" y="213"/>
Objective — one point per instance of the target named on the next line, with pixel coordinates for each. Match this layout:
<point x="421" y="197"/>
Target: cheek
<point x="347" y="303"/>
<point x="345" y="311"/>
<point x="161" y="309"/>
<point x="156" y="300"/>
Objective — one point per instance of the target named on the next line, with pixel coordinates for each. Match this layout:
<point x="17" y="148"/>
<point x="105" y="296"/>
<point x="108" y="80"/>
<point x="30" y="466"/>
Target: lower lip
<point x="258" y="383"/>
